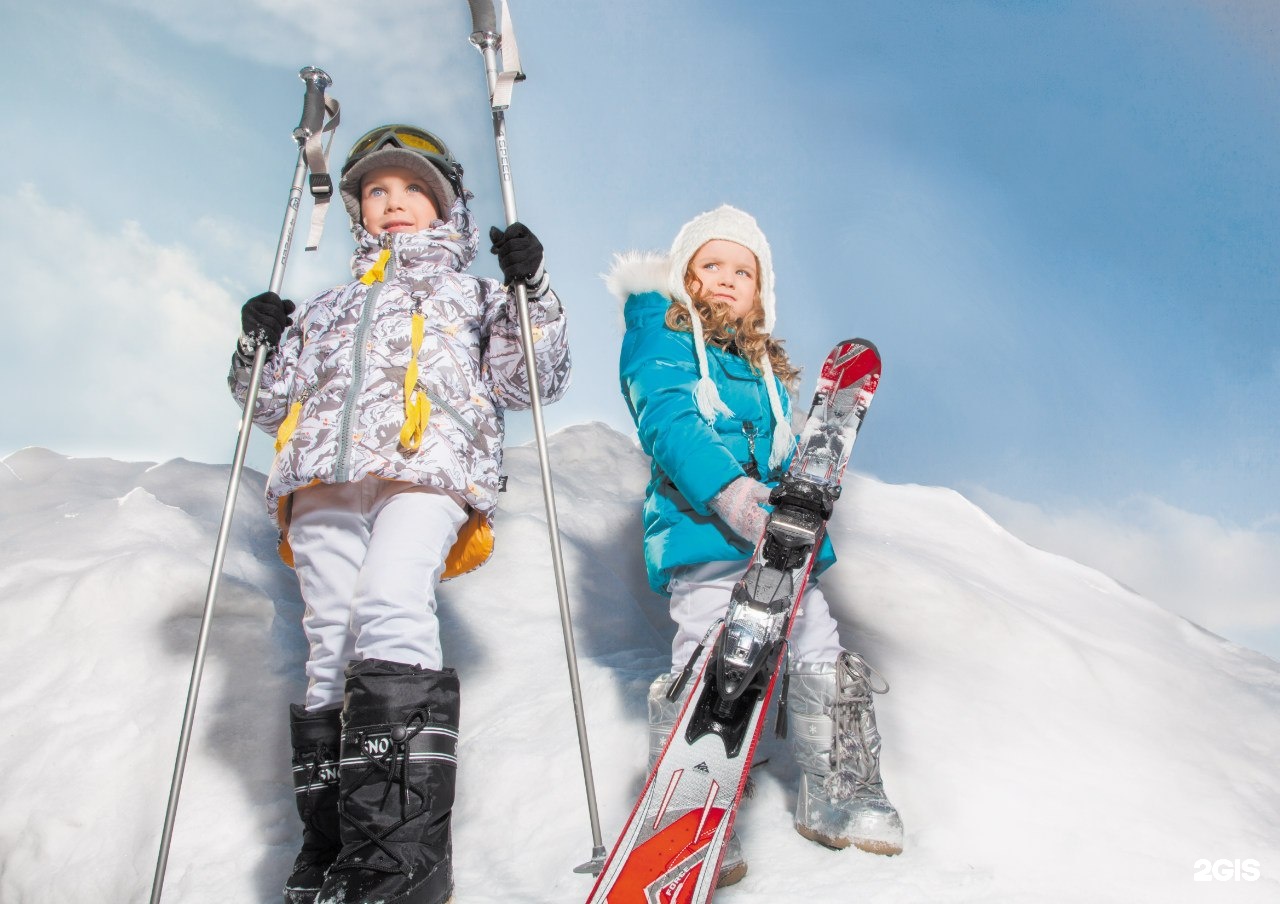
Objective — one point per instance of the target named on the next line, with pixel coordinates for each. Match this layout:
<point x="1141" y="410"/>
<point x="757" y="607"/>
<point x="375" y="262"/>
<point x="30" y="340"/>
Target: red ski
<point x="670" y="849"/>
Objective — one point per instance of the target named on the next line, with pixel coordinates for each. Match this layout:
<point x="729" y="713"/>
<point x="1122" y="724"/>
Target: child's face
<point x="724" y="272"/>
<point x="394" y="199"/>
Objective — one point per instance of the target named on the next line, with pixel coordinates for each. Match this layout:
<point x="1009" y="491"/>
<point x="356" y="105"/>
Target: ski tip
<point x="857" y="340"/>
<point x="850" y="361"/>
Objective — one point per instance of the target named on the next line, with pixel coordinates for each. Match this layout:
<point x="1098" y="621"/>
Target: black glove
<point x="264" y="317"/>
<point x="519" y="252"/>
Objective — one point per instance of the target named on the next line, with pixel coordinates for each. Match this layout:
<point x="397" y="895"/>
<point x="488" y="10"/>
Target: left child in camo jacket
<point x="386" y="396"/>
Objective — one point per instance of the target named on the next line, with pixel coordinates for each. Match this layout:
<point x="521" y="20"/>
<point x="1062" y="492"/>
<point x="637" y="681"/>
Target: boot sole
<point x="732" y="876"/>
<point x="311" y="900"/>
<point x="870" y="845"/>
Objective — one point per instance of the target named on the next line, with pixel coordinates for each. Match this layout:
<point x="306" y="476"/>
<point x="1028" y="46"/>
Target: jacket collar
<point x="449" y="245"/>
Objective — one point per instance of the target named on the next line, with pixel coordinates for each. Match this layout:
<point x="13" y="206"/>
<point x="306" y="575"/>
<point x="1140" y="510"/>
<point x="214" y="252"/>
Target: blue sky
<point x="1058" y="221"/>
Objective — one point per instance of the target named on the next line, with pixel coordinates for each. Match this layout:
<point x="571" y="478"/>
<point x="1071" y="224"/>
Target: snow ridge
<point x="1050" y="735"/>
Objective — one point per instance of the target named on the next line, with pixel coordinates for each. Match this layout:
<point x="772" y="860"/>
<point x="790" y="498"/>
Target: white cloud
<point x="407" y="50"/>
<point x="138" y="77"/>
<point x="121" y="342"/>
<point x="1223" y="577"/>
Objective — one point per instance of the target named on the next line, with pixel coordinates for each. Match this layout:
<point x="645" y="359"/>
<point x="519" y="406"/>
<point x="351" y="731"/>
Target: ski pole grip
<point x="483" y="20"/>
<point x="313" y="103"/>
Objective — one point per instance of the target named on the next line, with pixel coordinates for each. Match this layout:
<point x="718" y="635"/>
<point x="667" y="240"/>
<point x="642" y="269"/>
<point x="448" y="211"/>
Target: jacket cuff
<point x="546" y="304"/>
<point x="706" y="478"/>
<point x="246" y="348"/>
<point x="538" y="284"/>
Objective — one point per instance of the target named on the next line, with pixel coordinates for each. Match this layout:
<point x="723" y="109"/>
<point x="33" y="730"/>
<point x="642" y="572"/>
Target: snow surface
<point x="1050" y="735"/>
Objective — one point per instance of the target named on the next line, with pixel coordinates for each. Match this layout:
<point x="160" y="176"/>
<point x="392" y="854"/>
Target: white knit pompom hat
<point x="733" y="225"/>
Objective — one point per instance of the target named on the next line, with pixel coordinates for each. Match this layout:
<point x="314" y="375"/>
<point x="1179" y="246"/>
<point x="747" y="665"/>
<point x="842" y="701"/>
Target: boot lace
<point x="392" y="768"/>
<point x="855" y="755"/>
<point x="316" y="779"/>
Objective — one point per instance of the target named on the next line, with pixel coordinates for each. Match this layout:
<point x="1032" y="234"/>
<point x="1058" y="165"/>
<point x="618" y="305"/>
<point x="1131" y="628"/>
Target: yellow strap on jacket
<point x="417" y="407"/>
<point x="288" y="425"/>
<point x="378" y="272"/>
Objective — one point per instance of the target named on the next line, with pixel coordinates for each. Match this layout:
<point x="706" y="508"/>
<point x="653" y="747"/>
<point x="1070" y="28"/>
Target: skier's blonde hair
<point x="720" y="328"/>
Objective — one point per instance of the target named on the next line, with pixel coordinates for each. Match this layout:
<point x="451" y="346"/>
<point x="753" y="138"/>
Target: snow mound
<point x="1050" y="736"/>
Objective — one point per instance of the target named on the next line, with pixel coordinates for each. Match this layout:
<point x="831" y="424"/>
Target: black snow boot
<point x="399" y="770"/>
<point x="315" y="738"/>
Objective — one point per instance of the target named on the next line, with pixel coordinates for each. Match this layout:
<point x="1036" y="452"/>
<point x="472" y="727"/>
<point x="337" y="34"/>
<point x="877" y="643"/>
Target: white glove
<point x="738" y="505"/>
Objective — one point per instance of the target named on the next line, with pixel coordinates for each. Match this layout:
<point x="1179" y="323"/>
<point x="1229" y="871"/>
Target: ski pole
<point x="307" y="135"/>
<point x="488" y="41"/>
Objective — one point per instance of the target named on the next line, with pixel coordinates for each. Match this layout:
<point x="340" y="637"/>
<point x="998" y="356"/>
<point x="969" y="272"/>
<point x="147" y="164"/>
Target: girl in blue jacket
<point x="709" y="389"/>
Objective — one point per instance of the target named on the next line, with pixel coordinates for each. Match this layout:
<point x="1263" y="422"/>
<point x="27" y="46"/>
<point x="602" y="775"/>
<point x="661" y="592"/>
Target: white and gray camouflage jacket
<point x="345" y="356"/>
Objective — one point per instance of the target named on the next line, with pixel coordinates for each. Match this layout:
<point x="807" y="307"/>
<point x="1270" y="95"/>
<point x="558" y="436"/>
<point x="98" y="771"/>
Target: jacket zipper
<point x="343" y="471"/>
<point x="437" y="402"/>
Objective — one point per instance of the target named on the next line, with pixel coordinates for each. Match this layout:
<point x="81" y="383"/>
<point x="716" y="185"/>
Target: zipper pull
<point x="751" y="431"/>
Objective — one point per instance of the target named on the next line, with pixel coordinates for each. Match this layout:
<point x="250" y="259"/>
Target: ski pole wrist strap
<point x="321" y="183"/>
<point x="511" y="72"/>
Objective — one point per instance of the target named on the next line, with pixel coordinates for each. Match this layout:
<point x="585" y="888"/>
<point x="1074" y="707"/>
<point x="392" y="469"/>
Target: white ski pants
<point x="368" y="556"/>
<point x="700" y="595"/>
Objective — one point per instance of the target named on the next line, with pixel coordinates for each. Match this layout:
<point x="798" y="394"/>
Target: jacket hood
<point x="637" y="272"/>
<point x="451" y="244"/>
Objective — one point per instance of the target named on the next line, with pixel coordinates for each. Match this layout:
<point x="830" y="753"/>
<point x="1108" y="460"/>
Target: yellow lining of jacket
<point x="472" y="549"/>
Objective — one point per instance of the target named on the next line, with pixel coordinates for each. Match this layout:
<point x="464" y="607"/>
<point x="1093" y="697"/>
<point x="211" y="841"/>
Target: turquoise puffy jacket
<point x="691" y="459"/>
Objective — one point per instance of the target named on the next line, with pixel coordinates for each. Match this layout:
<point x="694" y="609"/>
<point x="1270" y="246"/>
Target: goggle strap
<point x="419" y="141"/>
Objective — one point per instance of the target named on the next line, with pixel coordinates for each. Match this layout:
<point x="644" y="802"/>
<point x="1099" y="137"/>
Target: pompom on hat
<point x="733" y="225"/>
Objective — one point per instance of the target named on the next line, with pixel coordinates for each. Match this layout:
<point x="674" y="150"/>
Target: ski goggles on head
<point x="409" y="138"/>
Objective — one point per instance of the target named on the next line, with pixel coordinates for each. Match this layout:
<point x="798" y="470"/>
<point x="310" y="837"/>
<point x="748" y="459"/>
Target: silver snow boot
<point x="833" y="732"/>
<point x="663" y="714"/>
